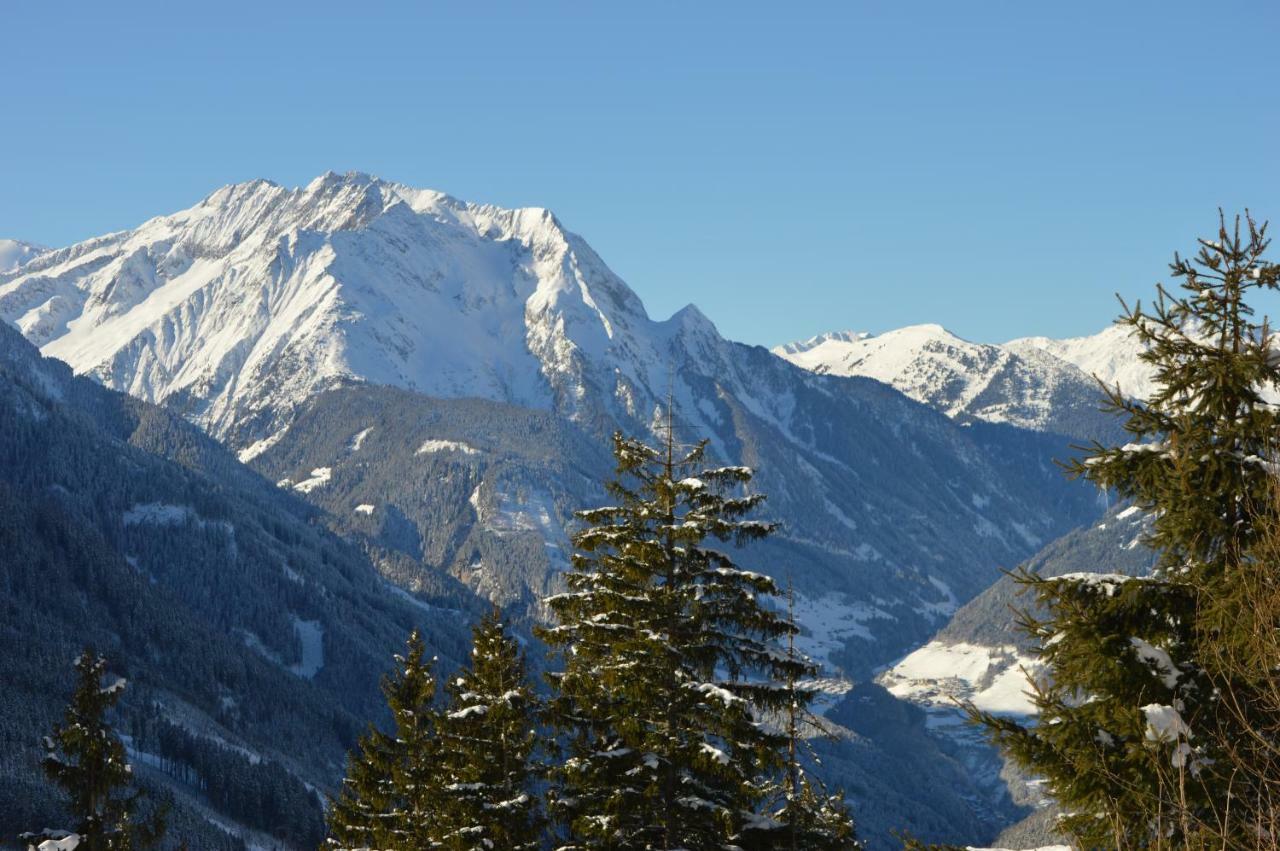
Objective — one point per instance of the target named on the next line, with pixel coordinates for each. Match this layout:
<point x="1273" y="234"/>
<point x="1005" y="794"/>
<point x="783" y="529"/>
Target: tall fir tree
<point x="487" y="740"/>
<point x="392" y="796"/>
<point x="671" y="664"/>
<point x="87" y="760"/>
<point x="1132" y="736"/>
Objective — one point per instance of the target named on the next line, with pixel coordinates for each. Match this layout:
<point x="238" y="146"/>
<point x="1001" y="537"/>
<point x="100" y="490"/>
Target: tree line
<point x="674" y="717"/>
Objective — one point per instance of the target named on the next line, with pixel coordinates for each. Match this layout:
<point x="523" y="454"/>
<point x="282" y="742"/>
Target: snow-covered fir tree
<point x="392" y="797"/>
<point x="673" y="678"/>
<point x="87" y="760"/>
<point x="487" y="740"/>
<point x="810" y="818"/>
<point x="1133" y="738"/>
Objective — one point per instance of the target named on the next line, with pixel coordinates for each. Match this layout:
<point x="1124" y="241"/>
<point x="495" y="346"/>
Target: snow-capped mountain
<point x="1036" y="383"/>
<point x="241" y="311"/>
<point x="1111" y="355"/>
<point x="224" y="595"/>
<point x="13" y="253"/>
<point x="240" y="308"/>
<point x="964" y="380"/>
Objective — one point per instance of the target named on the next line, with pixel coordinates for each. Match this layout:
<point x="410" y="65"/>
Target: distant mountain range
<point x="244" y="311"/>
<point x="424" y="391"/>
<point x="1034" y="382"/>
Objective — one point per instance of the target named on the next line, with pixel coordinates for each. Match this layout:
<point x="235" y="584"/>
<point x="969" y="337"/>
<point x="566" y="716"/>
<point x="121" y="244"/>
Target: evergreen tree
<point x="391" y="797"/>
<point x="487" y="739"/>
<point x="671" y="664"/>
<point x="87" y="760"/>
<point x="1244" y="657"/>
<point x="1132" y="736"/>
<point x="813" y="819"/>
<point x="804" y="816"/>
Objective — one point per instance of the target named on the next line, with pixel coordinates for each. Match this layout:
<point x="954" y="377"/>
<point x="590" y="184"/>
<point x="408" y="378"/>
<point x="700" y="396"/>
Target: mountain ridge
<point x="510" y="276"/>
<point x="236" y="618"/>
<point x="1034" y="382"/>
<point x="15" y="252"/>
<point x="243" y="310"/>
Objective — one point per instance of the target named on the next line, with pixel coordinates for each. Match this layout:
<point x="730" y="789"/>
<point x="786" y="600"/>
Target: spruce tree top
<point x="1131" y="735"/>
<point x="1200" y="458"/>
<point x="668" y="505"/>
<point x="673" y="668"/>
<point x="84" y="756"/>
<point x="487" y="741"/>
<point x="88" y="761"/>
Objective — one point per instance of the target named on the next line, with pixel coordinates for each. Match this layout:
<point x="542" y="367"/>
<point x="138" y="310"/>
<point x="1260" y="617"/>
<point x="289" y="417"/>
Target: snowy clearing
<point x="433" y="446"/>
<point x="938" y="674"/>
<point x="831" y="620"/>
<point x="358" y="440"/>
<point x="319" y="478"/>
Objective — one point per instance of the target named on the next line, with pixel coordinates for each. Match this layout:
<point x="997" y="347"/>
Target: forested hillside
<point x="253" y="639"/>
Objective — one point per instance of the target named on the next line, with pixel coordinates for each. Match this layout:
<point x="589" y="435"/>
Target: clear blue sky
<point x="1000" y="168"/>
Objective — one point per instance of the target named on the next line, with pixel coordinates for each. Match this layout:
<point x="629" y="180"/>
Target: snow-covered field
<point x="434" y="445"/>
<point x="319" y="478"/>
<point x="994" y="679"/>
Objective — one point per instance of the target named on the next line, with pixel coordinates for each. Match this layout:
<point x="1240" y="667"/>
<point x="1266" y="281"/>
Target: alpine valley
<point x="249" y="445"/>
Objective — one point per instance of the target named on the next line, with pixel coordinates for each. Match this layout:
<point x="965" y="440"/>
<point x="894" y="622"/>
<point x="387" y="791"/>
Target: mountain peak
<point x="1112" y="355"/>
<point x="692" y="316"/>
<point x="15" y="252"/>
<point x="923" y="329"/>
<point x="1034" y="383"/>
<point x="800" y="346"/>
<point x="331" y="177"/>
<point x="249" y="303"/>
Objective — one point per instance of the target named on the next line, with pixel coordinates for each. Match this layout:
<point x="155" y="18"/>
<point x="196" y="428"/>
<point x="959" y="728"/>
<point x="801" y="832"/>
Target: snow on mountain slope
<point x="13" y="253"/>
<point x="244" y="305"/>
<point x="242" y="310"/>
<point x="977" y="656"/>
<point x="982" y="656"/>
<point x="1026" y="387"/>
<point x="237" y="310"/>
<point x="1111" y="355"/>
<point x="990" y="677"/>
